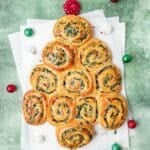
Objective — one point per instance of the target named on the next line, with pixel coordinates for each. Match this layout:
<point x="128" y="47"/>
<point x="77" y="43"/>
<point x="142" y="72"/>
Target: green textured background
<point x="136" y="13"/>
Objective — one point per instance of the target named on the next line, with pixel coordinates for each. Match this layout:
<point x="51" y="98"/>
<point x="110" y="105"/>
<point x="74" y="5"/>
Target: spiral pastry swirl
<point x="74" y="29"/>
<point x="112" y="111"/>
<point x="108" y="79"/>
<point x="34" y="107"/>
<point x="94" y="53"/>
<point x="44" y="79"/>
<point x="61" y="110"/>
<point x="74" y="135"/>
<point x="86" y="109"/>
<point x="78" y="82"/>
<point x="58" y="55"/>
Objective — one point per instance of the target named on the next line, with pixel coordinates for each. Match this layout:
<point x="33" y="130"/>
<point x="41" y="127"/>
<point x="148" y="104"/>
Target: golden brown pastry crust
<point x="74" y="135"/>
<point x="44" y="79"/>
<point x="74" y="29"/>
<point x="94" y="54"/>
<point x="77" y="82"/>
<point x="112" y="110"/>
<point x="61" y="110"/>
<point x="76" y="87"/>
<point x="86" y="109"/>
<point x="108" y="79"/>
<point x="34" y="107"/>
<point x="59" y="55"/>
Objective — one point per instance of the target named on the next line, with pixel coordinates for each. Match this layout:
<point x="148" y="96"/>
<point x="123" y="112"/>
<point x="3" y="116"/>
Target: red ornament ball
<point x="11" y="88"/>
<point x="72" y="7"/>
<point x="114" y="1"/>
<point x="131" y="124"/>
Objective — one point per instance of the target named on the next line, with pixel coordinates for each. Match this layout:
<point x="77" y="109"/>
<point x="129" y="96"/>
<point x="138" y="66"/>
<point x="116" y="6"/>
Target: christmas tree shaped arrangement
<point x="77" y="86"/>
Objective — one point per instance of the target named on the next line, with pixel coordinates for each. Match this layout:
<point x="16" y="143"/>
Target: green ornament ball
<point x="126" y="58"/>
<point x="116" y="146"/>
<point x="28" y="32"/>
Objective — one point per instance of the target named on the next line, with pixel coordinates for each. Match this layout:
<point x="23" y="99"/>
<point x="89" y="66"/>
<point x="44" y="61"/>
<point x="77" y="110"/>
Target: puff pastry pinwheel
<point x="86" y="109"/>
<point x="44" y="79"/>
<point x="108" y="79"/>
<point x="74" y="135"/>
<point x="78" y="82"/>
<point x="34" y="107"/>
<point x="94" y="53"/>
<point x="61" y="110"/>
<point x="74" y="29"/>
<point x="112" y="110"/>
<point x="58" y="54"/>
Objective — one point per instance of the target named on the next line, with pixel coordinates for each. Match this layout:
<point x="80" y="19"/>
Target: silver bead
<point x="40" y="138"/>
<point x="32" y="50"/>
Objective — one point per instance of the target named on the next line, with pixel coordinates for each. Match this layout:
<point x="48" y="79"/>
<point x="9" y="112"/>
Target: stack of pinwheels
<point x="27" y="47"/>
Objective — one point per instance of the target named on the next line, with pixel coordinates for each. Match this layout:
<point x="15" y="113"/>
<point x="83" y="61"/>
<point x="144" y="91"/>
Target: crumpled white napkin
<point x="43" y="137"/>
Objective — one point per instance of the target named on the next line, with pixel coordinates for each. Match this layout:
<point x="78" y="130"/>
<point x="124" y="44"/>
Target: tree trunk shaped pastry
<point x="74" y="135"/>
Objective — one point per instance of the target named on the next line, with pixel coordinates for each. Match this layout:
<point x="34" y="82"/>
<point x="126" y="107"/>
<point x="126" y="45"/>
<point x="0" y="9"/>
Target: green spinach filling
<point x="47" y="81"/>
<point x="71" y="83"/>
<point x="108" y="78"/>
<point x="58" y="57"/>
<point x="70" y="30"/>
